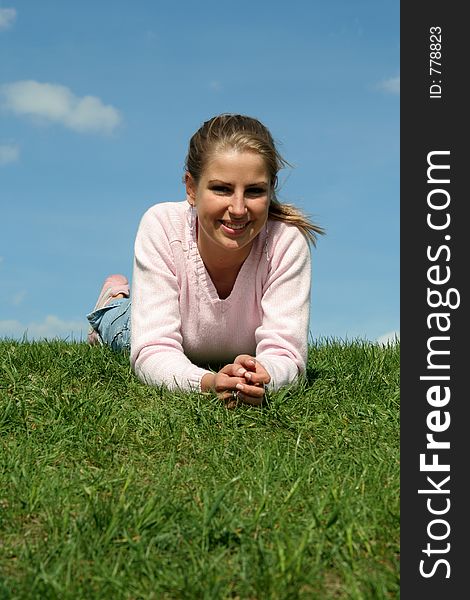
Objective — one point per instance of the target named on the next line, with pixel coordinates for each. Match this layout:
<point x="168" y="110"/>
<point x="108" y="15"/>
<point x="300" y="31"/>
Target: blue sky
<point x="99" y="99"/>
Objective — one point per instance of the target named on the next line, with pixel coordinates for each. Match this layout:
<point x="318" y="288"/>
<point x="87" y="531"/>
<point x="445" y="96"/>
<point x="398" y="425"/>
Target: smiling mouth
<point x="234" y="226"/>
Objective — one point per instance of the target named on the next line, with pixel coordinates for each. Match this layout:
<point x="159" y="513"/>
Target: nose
<point x="237" y="206"/>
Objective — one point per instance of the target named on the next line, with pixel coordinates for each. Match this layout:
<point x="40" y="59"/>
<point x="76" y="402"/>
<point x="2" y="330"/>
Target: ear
<point x="190" y="188"/>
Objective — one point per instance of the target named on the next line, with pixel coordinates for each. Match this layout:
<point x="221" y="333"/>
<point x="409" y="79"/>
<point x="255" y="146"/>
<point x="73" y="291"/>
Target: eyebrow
<point x="248" y="185"/>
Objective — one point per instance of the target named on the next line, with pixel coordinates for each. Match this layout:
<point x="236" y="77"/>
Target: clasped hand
<point x="243" y="381"/>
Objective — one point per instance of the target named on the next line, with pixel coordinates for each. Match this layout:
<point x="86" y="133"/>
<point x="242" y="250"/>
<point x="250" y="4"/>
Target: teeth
<point x="234" y="225"/>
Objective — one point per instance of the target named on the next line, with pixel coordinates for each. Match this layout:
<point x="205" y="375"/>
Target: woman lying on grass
<point x="220" y="278"/>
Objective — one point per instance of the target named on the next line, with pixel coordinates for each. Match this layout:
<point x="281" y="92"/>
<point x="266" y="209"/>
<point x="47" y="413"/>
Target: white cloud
<point x="390" y="86"/>
<point x="56" y="103"/>
<point x="391" y="337"/>
<point x="8" y="153"/>
<point x="7" y="17"/>
<point x="50" y="328"/>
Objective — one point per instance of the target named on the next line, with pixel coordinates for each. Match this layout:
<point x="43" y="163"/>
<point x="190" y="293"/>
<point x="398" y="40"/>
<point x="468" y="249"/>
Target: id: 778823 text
<point x="435" y="64"/>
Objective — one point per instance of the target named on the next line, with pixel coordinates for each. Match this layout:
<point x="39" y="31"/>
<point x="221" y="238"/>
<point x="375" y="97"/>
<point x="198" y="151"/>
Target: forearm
<point x="174" y="370"/>
<point x="281" y="340"/>
<point x="284" y="370"/>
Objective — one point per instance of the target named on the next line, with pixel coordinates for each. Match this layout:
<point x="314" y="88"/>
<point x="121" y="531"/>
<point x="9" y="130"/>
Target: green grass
<point x="111" y="489"/>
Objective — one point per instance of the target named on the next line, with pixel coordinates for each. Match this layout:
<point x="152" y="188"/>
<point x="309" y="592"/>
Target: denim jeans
<point x="113" y="324"/>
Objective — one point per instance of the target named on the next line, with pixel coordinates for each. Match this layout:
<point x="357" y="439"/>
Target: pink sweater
<point x="178" y="321"/>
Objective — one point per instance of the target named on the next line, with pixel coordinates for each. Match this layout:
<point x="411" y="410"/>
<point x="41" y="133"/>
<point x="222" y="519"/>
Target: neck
<point x="216" y="261"/>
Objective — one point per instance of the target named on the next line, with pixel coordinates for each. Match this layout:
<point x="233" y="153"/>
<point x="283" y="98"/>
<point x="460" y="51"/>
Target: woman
<point x="220" y="278"/>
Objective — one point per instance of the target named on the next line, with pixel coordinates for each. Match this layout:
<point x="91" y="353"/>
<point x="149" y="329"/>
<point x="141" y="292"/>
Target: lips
<point x="234" y="225"/>
<point x="234" y="229"/>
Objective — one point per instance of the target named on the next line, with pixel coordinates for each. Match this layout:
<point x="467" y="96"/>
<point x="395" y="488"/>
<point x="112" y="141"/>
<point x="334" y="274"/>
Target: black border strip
<point x="434" y="272"/>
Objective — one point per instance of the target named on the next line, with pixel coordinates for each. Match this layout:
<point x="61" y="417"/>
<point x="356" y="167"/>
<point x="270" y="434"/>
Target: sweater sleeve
<point x="282" y="338"/>
<point x="157" y="355"/>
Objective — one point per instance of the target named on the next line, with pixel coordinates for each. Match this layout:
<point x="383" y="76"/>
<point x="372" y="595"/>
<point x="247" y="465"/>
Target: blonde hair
<point x="246" y="134"/>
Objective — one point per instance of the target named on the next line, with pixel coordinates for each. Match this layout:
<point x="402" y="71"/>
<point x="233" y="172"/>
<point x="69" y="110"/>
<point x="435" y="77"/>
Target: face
<point x="232" y="201"/>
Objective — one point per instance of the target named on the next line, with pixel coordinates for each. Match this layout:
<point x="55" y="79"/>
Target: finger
<point x="234" y="370"/>
<point x="246" y="361"/>
<point x="228" y="383"/>
<point x="231" y="400"/>
<point x="256" y="378"/>
<point x="254" y="391"/>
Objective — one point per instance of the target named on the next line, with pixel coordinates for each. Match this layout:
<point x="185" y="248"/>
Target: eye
<point x="255" y="191"/>
<point x="220" y="189"/>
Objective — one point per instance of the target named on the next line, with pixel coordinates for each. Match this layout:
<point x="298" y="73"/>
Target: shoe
<point x="112" y="286"/>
